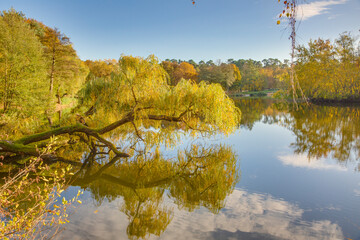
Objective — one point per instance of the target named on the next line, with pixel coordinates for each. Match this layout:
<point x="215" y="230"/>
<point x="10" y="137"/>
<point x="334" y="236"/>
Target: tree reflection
<point x="327" y="131"/>
<point x="257" y="109"/>
<point x="198" y="176"/>
<point x="320" y="131"/>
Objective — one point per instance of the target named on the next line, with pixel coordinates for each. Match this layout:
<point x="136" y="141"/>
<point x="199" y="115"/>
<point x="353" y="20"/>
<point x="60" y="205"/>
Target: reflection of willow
<point x="323" y="131"/>
<point x="198" y="177"/>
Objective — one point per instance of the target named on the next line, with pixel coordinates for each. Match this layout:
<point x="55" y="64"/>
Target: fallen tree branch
<point x="22" y="147"/>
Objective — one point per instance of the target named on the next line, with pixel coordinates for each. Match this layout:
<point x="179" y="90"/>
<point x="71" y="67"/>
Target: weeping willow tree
<point x="136" y="104"/>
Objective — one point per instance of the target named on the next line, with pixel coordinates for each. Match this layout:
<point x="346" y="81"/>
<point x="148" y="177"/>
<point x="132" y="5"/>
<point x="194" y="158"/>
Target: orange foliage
<point x="180" y="71"/>
<point x="102" y="68"/>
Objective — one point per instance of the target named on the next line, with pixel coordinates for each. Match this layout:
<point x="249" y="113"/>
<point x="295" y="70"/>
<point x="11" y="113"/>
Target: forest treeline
<point x="233" y="75"/>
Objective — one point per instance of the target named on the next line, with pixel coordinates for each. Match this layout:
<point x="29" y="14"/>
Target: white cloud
<point x="308" y="10"/>
<point x="302" y="161"/>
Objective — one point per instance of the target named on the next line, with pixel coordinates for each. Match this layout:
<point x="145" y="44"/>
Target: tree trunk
<point x="59" y="104"/>
<point x="6" y="88"/>
<point x="52" y="69"/>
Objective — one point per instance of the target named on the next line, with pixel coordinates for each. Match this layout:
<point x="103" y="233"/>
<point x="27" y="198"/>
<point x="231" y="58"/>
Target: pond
<point x="283" y="174"/>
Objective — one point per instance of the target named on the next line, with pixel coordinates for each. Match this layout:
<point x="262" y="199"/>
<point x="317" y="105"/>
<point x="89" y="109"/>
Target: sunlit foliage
<point x="142" y="87"/>
<point x="65" y="71"/>
<point x="22" y="72"/>
<point x="330" y="70"/>
<point x="178" y="71"/>
<point x="102" y="68"/>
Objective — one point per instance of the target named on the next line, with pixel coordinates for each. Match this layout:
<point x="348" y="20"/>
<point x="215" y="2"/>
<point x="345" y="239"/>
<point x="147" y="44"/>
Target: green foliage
<point x="251" y="79"/>
<point x="66" y="72"/>
<point x="280" y="94"/>
<point x="22" y="67"/>
<point x="257" y="76"/>
<point x="258" y="94"/>
<point x="225" y="74"/>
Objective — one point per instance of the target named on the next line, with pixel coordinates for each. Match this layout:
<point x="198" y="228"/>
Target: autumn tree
<point x="138" y="111"/>
<point x="270" y="71"/>
<point x="178" y="71"/>
<point x="102" y="68"/>
<point x="22" y="67"/>
<point x="66" y="72"/>
<point x="329" y="70"/>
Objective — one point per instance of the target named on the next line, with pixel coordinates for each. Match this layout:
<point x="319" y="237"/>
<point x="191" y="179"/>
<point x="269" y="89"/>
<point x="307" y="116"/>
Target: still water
<point x="282" y="175"/>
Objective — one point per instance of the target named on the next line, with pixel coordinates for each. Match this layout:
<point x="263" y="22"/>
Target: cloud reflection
<point x="246" y="216"/>
<point x="302" y="161"/>
<point x="252" y="216"/>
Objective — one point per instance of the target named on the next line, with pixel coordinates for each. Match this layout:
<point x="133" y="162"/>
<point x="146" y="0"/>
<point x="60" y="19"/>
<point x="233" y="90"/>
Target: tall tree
<point x="66" y="72"/>
<point x="22" y="67"/>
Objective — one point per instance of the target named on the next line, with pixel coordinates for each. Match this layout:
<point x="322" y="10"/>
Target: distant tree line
<point x="234" y="75"/>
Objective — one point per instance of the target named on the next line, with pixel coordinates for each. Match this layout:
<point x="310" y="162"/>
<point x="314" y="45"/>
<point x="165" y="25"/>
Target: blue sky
<point x="211" y="29"/>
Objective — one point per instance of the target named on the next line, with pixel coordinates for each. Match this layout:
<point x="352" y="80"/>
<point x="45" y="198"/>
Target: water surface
<point x="283" y="174"/>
